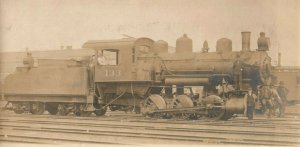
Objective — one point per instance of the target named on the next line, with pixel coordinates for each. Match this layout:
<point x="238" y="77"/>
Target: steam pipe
<point x="246" y="41"/>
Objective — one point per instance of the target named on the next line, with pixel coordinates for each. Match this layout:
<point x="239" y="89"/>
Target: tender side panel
<point x="48" y="81"/>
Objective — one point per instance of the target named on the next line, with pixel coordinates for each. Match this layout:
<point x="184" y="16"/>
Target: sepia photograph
<point x="149" y="73"/>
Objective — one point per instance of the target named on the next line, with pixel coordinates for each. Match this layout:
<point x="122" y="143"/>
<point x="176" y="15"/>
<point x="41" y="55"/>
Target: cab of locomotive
<point x="118" y="60"/>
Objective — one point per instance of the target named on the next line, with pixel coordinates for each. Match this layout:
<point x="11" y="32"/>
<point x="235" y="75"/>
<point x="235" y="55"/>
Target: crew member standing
<point x="265" y="96"/>
<point x="250" y="98"/>
<point x="275" y="96"/>
<point x="282" y="92"/>
<point x="91" y="71"/>
<point x="237" y="73"/>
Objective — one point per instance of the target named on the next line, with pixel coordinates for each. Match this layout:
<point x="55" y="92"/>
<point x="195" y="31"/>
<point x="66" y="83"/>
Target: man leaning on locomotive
<point x="271" y="100"/>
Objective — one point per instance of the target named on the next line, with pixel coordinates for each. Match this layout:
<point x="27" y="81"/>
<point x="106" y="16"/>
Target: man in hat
<point x="91" y="71"/>
<point x="282" y="92"/>
<point x="250" y="99"/>
<point x="265" y="96"/>
<point x="238" y="66"/>
<point x="275" y="96"/>
<point x="224" y="88"/>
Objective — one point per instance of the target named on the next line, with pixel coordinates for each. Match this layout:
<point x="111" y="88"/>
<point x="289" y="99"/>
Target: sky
<point x="49" y="24"/>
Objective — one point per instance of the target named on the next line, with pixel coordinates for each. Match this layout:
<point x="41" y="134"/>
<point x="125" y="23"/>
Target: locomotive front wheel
<point x="216" y="108"/>
<point x="216" y="113"/>
<point x="83" y="113"/>
<point x="100" y="112"/>
<point x="37" y="108"/>
<point x="226" y="116"/>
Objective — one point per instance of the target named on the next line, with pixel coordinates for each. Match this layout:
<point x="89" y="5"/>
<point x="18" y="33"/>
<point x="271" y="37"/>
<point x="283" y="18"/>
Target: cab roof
<point x="117" y="43"/>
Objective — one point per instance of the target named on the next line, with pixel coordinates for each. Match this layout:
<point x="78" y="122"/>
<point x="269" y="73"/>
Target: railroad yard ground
<point x="119" y="128"/>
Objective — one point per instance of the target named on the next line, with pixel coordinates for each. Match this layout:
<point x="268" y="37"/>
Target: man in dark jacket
<point x="250" y="99"/>
<point x="91" y="71"/>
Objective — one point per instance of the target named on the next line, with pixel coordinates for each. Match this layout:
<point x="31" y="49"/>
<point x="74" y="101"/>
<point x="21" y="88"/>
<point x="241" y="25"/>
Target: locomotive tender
<point x="138" y="74"/>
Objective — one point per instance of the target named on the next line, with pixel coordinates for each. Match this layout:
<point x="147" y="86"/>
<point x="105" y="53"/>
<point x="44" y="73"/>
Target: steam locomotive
<point x="139" y="74"/>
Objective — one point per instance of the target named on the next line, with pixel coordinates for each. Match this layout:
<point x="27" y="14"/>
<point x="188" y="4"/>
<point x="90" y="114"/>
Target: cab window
<point x="110" y="57"/>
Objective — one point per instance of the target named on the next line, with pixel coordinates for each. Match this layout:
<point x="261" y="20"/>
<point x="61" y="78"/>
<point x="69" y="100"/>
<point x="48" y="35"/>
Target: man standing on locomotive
<point x="255" y="78"/>
<point x="250" y="99"/>
<point x="238" y="66"/>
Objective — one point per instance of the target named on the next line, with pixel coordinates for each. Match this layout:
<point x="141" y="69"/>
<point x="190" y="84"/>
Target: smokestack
<point x="246" y="41"/>
<point x="279" y="59"/>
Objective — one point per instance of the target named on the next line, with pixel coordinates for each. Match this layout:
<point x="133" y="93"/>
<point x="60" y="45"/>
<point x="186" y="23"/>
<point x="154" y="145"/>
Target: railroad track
<point x="132" y="129"/>
<point x="292" y="122"/>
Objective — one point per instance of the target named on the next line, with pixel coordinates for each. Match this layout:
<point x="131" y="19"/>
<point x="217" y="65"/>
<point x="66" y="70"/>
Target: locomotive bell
<point x="184" y="44"/>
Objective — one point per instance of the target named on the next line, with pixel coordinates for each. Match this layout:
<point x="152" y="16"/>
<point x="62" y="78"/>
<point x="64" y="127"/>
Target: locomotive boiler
<point x="140" y="74"/>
